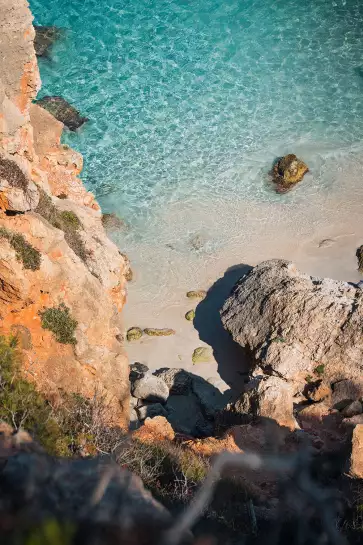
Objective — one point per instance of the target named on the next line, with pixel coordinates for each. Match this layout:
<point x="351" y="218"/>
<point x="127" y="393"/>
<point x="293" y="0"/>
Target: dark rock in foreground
<point x="100" y="501"/>
<point x="45" y="36"/>
<point x="63" y="111"/>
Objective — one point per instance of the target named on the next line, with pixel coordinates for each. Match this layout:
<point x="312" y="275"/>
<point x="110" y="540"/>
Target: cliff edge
<point x="62" y="281"/>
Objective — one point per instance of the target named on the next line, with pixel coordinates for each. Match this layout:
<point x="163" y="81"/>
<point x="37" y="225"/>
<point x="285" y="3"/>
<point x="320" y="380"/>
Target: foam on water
<point x="191" y="101"/>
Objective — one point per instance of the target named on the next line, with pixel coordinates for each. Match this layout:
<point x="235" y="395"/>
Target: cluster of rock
<point x="34" y="163"/>
<point x="304" y="336"/>
<point x="189" y="402"/>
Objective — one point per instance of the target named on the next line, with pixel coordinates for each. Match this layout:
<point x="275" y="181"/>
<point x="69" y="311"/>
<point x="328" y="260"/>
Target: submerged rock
<point x="134" y="334"/>
<point x="112" y="222"/>
<point x="45" y="36"/>
<point x="159" y="332"/>
<point x="287" y="172"/>
<point x="63" y="111"/>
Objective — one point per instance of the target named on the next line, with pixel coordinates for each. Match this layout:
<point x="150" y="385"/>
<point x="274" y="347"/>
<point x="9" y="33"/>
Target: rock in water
<point x="292" y="323"/>
<point x="45" y="36"/>
<point x="63" y="111"/>
<point x="287" y="172"/>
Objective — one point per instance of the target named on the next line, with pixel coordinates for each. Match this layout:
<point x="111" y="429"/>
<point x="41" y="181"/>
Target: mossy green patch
<point x="190" y="315"/>
<point x="59" y="321"/>
<point x="319" y="370"/>
<point x="152" y="332"/>
<point x="25" y="252"/>
<point x="134" y="334"/>
<point x="65" y="220"/>
<point x="202" y="354"/>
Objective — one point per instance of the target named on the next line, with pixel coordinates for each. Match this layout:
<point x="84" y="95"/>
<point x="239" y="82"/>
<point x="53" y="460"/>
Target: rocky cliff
<point x="58" y="269"/>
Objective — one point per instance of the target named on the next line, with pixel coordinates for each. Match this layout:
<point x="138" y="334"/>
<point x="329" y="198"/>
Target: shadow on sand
<point x="231" y="358"/>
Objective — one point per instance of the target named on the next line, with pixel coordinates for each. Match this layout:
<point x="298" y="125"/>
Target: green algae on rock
<point x="196" y="294"/>
<point x="134" y="334"/>
<point x="190" y="315"/>
<point x="152" y="332"/>
<point x="202" y="354"/>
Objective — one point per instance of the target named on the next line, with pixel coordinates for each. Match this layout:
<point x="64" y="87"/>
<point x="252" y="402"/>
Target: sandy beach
<point x="320" y="234"/>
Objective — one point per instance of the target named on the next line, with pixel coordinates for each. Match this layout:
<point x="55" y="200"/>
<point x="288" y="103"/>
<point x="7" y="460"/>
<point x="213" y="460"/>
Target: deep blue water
<point x="194" y="99"/>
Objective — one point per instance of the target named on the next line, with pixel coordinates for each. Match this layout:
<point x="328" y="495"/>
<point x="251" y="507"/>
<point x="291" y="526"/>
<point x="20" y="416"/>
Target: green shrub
<point x="319" y="370"/>
<point x="22" y="406"/>
<point x="25" y="252"/>
<point x="67" y="221"/>
<point x="59" y="321"/>
<point x="70" y="219"/>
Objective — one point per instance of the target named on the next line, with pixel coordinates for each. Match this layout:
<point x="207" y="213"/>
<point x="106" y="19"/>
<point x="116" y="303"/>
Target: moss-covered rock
<point x="190" y="315"/>
<point x="202" y="354"/>
<point x="196" y="294"/>
<point x="112" y="222"/>
<point x="359" y="255"/>
<point x="152" y="332"/>
<point x="287" y="172"/>
<point x="134" y="334"/>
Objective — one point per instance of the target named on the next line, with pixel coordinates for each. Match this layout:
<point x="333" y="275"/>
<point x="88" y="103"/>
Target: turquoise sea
<point x="190" y="101"/>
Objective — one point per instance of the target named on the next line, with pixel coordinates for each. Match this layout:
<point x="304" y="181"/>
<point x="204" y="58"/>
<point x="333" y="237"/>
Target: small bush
<point x="25" y="252"/>
<point x="319" y="370"/>
<point x="59" y="321"/>
<point x="13" y="174"/>
<point x="70" y="219"/>
<point x="65" y="220"/>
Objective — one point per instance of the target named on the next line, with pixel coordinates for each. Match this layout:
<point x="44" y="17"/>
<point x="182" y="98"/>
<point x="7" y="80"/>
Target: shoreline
<point x="323" y="245"/>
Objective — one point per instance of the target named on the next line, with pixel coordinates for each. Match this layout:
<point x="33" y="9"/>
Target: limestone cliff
<point x="76" y="264"/>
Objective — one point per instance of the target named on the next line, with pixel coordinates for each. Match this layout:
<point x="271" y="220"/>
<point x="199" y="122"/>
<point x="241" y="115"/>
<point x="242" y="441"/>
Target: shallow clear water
<point x="190" y="102"/>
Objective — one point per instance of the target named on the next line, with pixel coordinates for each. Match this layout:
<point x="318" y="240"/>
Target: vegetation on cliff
<point x="60" y="322"/>
<point x="65" y="220"/>
<point x="25" y="252"/>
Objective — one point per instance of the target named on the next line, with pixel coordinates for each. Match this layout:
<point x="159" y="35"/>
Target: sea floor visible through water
<point x="189" y="105"/>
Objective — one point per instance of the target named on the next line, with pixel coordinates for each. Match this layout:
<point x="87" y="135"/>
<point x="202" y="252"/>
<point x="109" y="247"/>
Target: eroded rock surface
<point x="87" y="274"/>
<point x="296" y="326"/>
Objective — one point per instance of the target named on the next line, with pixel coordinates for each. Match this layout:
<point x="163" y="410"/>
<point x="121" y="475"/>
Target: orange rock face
<point x="93" y="288"/>
<point x="154" y="430"/>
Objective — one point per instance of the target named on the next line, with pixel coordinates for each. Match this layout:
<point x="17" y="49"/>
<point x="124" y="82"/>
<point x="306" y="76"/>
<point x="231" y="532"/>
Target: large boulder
<point x="179" y="381"/>
<point x="63" y="111"/>
<point x="287" y="172"/>
<point x="150" y="388"/>
<point x="295" y="325"/>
